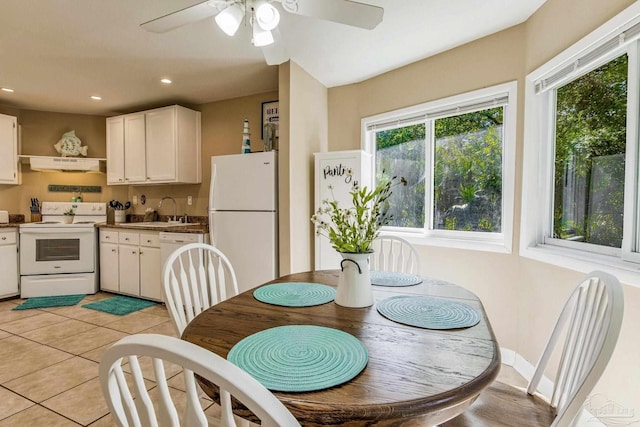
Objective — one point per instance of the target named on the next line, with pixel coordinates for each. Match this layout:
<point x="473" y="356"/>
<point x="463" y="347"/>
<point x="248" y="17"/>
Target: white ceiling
<point x="55" y="54"/>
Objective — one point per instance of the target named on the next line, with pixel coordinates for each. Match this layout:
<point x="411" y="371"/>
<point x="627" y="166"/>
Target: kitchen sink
<point x="159" y="224"/>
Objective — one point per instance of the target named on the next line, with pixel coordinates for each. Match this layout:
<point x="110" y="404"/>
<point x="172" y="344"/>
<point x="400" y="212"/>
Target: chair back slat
<point x="197" y="299"/>
<point x="142" y="401"/>
<point x="207" y="289"/>
<point x="140" y="412"/>
<point x="394" y="254"/>
<point x="590" y="322"/>
<point x="167" y="412"/>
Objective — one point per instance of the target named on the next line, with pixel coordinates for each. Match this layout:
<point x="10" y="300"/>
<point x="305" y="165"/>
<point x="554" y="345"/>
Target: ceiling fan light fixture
<point x="267" y="16"/>
<point x="230" y="18"/>
<point x="261" y="37"/>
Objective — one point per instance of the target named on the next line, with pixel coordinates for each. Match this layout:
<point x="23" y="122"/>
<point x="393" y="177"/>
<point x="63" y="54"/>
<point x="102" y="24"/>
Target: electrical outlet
<point x="189" y="200"/>
<point x="135" y="200"/>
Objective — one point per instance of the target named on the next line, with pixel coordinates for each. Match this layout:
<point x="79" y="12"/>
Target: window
<point x="455" y="157"/>
<point x="580" y="178"/>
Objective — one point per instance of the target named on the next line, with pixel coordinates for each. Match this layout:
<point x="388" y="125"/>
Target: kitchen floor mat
<point x="52" y="301"/>
<point x="119" y="305"/>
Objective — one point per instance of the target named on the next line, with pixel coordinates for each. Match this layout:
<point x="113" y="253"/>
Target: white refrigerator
<point x="243" y="217"/>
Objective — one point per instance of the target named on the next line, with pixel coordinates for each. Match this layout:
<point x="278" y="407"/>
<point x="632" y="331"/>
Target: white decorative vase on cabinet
<point x="354" y="285"/>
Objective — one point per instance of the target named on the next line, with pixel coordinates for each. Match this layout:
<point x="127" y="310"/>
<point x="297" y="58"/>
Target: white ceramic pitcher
<point x="354" y="284"/>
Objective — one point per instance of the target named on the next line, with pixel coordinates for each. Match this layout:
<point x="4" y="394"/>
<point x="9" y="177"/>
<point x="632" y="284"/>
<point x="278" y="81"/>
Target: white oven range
<point x="57" y="258"/>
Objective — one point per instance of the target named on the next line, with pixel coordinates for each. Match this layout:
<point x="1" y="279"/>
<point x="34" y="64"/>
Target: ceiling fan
<point x="263" y="18"/>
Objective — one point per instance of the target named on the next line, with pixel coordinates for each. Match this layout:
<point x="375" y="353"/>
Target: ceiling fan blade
<point x="275" y="53"/>
<point x="343" y="11"/>
<point x="182" y="17"/>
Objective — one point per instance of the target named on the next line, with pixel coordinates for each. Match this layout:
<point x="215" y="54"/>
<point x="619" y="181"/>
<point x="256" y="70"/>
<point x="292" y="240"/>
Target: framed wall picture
<point x="270" y="113"/>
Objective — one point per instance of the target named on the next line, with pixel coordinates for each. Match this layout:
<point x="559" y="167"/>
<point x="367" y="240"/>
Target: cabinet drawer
<point x="129" y="238"/>
<point x="108" y="236"/>
<point x="150" y="239"/>
<point x="8" y="238"/>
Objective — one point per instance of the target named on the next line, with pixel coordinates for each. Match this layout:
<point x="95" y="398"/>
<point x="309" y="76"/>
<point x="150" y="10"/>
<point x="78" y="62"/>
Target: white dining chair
<point x="195" y="277"/>
<point x="394" y="254"/>
<point x="131" y="404"/>
<point x="590" y="324"/>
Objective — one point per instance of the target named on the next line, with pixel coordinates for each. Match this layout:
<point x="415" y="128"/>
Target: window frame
<point x="618" y="36"/>
<point x="446" y="107"/>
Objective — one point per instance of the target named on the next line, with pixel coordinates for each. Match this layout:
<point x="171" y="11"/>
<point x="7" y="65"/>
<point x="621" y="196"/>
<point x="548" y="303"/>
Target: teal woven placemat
<point x="390" y="278"/>
<point x="295" y="294"/>
<point x="53" y="301"/>
<point x="119" y="305"/>
<point x="299" y="358"/>
<point x="428" y="312"/>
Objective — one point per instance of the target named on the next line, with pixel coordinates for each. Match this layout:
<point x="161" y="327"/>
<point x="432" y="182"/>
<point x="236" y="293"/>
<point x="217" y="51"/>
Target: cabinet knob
<point x="133" y="252"/>
<point x="4" y="238"/>
<point x="126" y="238"/>
<point x="113" y="250"/>
<point x="148" y="241"/>
<point x="107" y="237"/>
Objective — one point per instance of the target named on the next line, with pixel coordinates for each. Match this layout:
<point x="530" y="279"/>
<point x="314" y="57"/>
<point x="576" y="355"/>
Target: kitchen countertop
<point x="197" y="229"/>
<point x="14" y="221"/>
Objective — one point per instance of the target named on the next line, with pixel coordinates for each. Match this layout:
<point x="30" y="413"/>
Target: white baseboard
<point x="526" y="369"/>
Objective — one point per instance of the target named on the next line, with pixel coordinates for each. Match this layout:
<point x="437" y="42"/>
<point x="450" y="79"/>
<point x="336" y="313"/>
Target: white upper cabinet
<point x="135" y="171"/>
<point x="115" y="150"/>
<point x="154" y="147"/>
<point x="9" y="167"/>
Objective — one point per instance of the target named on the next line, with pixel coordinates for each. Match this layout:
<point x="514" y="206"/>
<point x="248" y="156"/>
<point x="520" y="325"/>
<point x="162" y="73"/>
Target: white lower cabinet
<point x="131" y="265"/>
<point x="9" y="263"/>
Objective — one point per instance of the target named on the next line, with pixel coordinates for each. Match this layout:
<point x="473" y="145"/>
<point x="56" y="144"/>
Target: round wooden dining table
<point x="414" y="376"/>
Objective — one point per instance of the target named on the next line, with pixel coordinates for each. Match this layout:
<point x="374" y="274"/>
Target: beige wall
<point x="303" y="131"/>
<point x="521" y="296"/>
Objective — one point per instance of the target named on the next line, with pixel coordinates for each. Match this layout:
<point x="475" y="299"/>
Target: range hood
<point x="64" y="164"/>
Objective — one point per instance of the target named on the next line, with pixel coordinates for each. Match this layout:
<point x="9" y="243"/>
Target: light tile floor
<point x="49" y="361"/>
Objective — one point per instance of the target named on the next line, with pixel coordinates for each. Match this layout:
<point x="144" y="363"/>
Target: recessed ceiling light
<point x="96" y="98"/>
<point x="166" y="81"/>
<point x="6" y="89"/>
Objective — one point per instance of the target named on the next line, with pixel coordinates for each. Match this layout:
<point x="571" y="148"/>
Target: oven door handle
<point x="52" y="230"/>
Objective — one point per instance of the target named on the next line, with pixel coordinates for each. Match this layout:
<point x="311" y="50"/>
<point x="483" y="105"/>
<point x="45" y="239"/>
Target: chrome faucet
<point x="175" y="206"/>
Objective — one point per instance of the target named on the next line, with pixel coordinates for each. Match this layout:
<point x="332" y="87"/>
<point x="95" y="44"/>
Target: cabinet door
<point x="129" y="263"/>
<point x="161" y="144"/>
<point x="115" y="150"/>
<point x="8" y="265"/>
<point x="109" y="280"/>
<point x="134" y="151"/>
<point x="8" y="150"/>
<point x="150" y="274"/>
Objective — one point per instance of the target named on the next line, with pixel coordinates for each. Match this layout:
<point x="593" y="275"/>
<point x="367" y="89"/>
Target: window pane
<point x="400" y="152"/>
<point x="468" y="171"/>
<point x="589" y="156"/>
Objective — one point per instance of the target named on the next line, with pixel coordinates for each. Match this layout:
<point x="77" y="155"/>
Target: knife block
<point x="111" y="215"/>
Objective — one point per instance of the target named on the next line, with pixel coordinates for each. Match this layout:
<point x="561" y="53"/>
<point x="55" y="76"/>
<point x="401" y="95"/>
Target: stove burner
<point x="48" y="222"/>
<point x="84" y="222"/>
